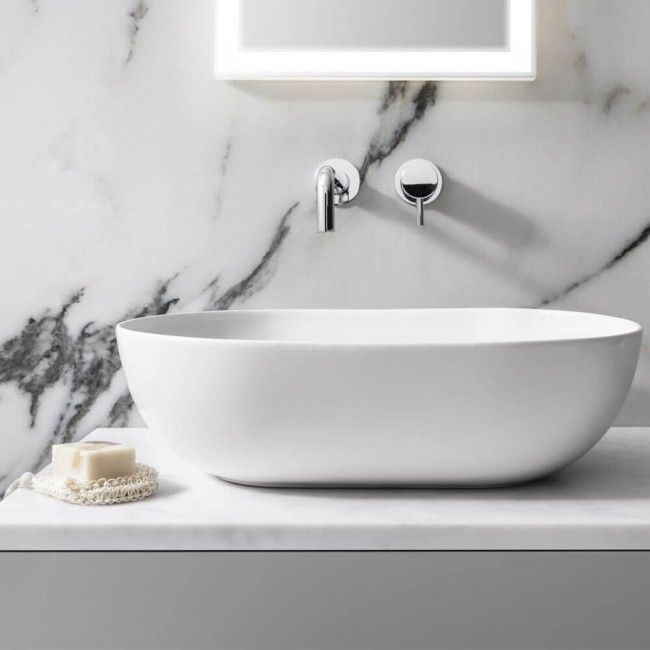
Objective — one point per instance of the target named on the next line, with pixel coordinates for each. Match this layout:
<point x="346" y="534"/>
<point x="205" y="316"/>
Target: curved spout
<point x="325" y="182"/>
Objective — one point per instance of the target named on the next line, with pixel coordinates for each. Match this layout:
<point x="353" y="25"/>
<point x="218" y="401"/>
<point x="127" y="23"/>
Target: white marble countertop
<point x="601" y="502"/>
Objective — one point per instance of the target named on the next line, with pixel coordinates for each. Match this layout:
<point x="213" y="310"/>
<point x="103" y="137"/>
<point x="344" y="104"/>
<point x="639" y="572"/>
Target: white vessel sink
<point x="438" y="397"/>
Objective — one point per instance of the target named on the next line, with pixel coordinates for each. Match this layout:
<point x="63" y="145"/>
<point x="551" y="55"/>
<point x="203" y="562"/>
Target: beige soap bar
<point x="90" y="461"/>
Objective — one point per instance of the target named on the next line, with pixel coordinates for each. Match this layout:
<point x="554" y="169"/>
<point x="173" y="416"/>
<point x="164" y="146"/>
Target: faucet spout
<point x="337" y="184"/>
<point x="325" y="191"/>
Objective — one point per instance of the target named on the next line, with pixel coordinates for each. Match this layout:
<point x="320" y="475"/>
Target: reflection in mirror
<point x="374" y="24"/>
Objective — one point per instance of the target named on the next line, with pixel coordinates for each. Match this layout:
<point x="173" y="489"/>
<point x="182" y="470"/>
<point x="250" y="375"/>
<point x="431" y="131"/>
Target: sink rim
<point x="625" y="326"/>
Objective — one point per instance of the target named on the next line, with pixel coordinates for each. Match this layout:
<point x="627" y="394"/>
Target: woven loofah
<point x="105" y="491"/>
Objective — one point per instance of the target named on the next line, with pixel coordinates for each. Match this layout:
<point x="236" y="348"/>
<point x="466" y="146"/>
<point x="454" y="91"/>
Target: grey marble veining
<point x="137" y="15"/>
<point x="133" y="183"/>
<point x="628" y="248"/>
<point x="600" y="503"/>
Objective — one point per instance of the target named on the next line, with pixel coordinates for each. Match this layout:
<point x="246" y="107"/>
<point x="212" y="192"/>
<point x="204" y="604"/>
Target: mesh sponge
<point x="105" y="491"/>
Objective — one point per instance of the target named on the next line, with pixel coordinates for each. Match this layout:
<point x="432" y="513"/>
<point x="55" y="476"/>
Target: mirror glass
<point x="373" y="24"/>
<point x="369" y="39"/>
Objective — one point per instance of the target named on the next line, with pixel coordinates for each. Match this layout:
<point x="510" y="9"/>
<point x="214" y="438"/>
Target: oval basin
<point x="427" y="397"/>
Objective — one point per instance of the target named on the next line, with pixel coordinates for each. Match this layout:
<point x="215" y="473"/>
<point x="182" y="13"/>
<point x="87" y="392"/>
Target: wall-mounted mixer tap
<point x="337" y="184"/>
<point x="418" y="182"/>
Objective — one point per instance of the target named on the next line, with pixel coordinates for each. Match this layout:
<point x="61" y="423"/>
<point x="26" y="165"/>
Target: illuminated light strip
<point x="517" y="62"/>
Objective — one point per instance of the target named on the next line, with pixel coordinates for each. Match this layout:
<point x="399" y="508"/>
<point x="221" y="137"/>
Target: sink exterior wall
<point x="134" y="183"/>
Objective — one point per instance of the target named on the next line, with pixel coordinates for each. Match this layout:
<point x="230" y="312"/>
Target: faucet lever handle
<point x="418" y="182"/>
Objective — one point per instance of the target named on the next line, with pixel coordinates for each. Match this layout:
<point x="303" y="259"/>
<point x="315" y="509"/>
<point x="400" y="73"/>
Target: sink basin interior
<point x="389" y="327"/>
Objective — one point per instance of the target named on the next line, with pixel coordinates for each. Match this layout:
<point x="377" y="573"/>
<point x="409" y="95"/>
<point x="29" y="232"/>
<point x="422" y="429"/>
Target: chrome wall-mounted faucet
<point x="337" y="184"/>
<point x="418" y="182"/>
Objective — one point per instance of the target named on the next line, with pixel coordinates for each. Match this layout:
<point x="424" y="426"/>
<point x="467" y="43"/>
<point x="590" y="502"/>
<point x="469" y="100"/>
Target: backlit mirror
<point x="375" y="39"/>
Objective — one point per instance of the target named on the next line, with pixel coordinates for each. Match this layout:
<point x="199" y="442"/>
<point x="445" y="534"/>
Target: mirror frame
<point x="235" y="63"/>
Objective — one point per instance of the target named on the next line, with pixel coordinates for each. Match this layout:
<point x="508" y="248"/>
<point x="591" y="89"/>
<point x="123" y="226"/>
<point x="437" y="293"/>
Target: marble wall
<point x="134" y="183"/>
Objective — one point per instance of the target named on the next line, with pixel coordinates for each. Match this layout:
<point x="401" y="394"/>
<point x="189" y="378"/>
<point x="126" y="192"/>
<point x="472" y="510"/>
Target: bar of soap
<point x="90" y="461"/>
